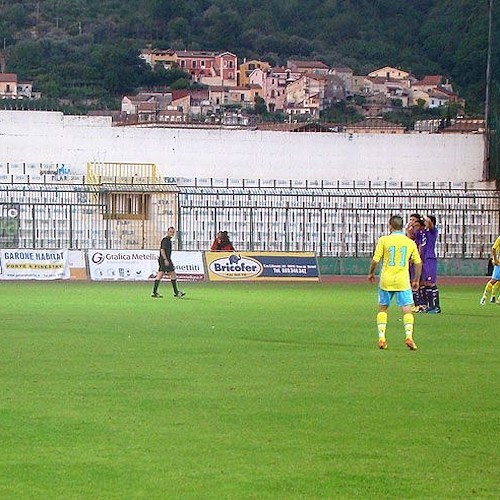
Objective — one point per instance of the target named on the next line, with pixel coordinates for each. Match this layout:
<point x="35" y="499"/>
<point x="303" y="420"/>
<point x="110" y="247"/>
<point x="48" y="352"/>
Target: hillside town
<point x="301" y="90"/>
<point x="224" y="91"/>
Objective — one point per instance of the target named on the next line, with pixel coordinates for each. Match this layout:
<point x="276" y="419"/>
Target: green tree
<point x="25" y="58"/>
<point x="118" y="66"/>
<point x="16" y="14"/>
<point x="223" y="28"/>
<point x="340" y="113"/>
<point x="179" y="29"/>
<point x="49" y="41"/>
<point x="260" y="106"/>
<point x="181" y="83"/>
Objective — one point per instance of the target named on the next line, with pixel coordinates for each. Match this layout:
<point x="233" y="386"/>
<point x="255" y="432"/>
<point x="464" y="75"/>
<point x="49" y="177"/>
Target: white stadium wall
<point x="51" y="137"/>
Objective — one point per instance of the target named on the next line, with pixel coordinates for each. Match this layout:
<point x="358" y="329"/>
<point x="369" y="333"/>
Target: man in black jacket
<point x="165" y="265"/>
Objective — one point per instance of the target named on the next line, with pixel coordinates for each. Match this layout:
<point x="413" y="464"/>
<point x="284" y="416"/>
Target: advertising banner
<point x="141" y="265"/>
<point x="269" y="266"/>
<point x="24" y="264"/>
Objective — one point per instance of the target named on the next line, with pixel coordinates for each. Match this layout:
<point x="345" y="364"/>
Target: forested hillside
<point x="87" y="49"/>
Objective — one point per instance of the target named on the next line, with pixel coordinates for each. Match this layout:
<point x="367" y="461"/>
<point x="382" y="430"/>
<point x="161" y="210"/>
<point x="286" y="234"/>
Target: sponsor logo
<point x="28" y="255"/>
<point x="236" y="267"/>
<point x="98" y="258"/>
<point x="9" y="211"/>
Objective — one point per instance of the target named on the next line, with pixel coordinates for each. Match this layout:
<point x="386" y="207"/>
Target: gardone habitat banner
<point x="141" y="265"/>
<point x="248" y="266"/>
<point x="25" y="264"/>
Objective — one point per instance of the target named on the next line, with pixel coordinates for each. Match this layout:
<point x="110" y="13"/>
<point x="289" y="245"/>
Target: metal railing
<point x="335" y="222"/>
<point x="341" y="219"/>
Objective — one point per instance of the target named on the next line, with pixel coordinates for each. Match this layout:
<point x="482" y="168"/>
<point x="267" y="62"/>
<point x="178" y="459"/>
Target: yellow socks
<point x="408" y="321"/>
<point x="381" y="324"/>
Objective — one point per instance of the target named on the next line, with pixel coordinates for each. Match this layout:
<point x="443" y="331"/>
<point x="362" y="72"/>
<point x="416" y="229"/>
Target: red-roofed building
<point x="185" y="104"/>
<point x="166" y="57"/>
<point x="245" y="95"/>
<point x="144" y="101"/>
<point x="203" y="66"/>
<point x="390" y="73"/>
<point x="306" y="95"/>
<point x="433" y="82"/>
<point x="316" y="67"/>
<point x="247" y="67"/>
<point x="210" y="68"/>
<point x="273" y="83"/>
<point x="345" y="75"/>
<point x="8" y="86"/>
<point x="198" y="63"/>
<point x="435" y="90"/>
<point x="374" y="125"/>
<point x="453" y="98"/>
<point x="464" y="126"/>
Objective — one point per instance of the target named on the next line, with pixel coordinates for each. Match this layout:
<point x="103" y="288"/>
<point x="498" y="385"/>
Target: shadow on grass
<point x="296" y="342"/>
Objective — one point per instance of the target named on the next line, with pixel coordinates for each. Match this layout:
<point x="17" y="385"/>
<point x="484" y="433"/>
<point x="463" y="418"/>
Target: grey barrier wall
<point x="342" y="219"/>
<point x="356" y="266"/>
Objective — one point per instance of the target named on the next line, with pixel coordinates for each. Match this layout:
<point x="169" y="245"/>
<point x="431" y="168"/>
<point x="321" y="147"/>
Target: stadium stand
<point x="130" y="206"/>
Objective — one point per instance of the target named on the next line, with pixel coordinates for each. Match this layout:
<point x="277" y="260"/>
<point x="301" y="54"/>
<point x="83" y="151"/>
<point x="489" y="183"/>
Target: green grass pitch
<point x="244" y="390"/>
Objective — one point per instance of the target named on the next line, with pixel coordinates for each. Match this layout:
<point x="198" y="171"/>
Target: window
<point x="127" y="205"/>
<point x="202" y="64"/>
<point x="193" y="64"/>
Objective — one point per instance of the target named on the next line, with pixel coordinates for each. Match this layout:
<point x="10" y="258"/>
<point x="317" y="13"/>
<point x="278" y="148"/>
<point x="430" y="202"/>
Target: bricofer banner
<point x="260" y="266"/>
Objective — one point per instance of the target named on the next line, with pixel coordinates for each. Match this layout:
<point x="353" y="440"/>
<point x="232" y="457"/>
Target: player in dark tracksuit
<point x="165" y="265"/>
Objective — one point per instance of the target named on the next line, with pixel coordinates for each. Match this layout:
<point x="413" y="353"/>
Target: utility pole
<point x="37" y="13"/>
<point x="3" y="57"/>
<point x="486" y="159"/>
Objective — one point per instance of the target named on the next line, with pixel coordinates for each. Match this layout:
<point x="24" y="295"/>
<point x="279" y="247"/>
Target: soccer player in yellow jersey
<point x="396" y="251"/>
<point x="494" y="283"/>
